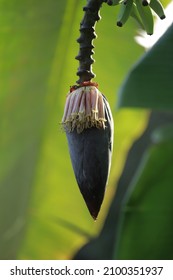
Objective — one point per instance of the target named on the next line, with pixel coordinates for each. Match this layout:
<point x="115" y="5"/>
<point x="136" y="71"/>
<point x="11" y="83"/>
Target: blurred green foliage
<point x="153" y="71"/>
<point x="42" y="213"/>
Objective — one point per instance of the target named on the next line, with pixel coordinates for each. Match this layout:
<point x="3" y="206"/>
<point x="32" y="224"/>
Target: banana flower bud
<point x="88" y="124"/>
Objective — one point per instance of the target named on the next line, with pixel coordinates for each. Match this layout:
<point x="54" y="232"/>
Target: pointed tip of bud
<point x="94" y="206"/>
<point x="94" y="217"/>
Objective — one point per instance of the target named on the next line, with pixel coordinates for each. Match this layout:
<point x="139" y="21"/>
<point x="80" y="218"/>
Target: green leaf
<point x="149" y="84"/>
<point x="147" y="228"/>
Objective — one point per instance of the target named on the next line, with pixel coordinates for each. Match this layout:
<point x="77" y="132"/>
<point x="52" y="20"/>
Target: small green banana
<point x="146" y="16"/>
<point x="124" y="13"/>
<point x="135" y="14"/>
<point x="157" y="7"/>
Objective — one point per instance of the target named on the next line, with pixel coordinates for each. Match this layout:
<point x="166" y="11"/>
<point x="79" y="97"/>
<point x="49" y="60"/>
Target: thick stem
<point x="87" y="34"/>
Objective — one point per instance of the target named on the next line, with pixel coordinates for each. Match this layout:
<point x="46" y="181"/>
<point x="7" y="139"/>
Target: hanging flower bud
<point x="88" y="124"/>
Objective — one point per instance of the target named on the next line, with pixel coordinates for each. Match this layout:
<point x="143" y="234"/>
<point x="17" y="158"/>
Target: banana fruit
<point x="146" y="16"/>
<point x="135" y="15"/>
<point x="157" y="7"/>
<point x="124" y="13"/>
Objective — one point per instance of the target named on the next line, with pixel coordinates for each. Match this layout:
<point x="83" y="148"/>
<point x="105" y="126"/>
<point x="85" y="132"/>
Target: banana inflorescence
<point x="140" y="10"/>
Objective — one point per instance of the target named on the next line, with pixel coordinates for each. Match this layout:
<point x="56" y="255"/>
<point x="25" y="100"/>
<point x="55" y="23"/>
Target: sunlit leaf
<point x="149" y="83"/>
